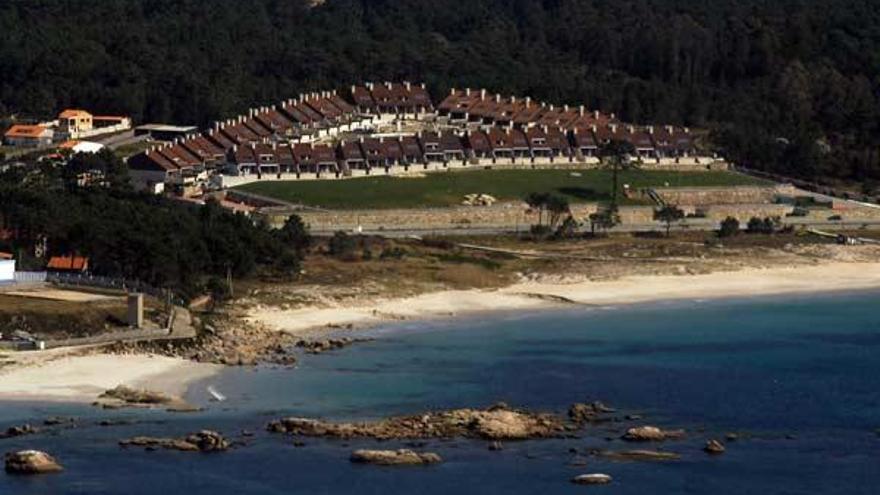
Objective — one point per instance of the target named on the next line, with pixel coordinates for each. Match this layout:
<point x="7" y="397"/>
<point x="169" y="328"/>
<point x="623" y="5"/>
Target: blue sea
<point x="798" y="378"/>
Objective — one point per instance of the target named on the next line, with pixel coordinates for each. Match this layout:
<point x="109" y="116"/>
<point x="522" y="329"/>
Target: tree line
<point x="137" y="236"/>
<point x="789" y="86"/>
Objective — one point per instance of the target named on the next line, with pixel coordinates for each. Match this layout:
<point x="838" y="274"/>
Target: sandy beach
<point x="825" y="277"/>
<point x="67" y="376"/>
<point x="48" y="376"/>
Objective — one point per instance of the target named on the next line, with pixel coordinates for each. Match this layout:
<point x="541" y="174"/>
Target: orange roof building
<point x="28" y="135"/>
<point x="68" y="264"/>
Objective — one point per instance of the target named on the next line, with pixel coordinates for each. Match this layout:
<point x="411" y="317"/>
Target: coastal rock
<point x="394" y="457"/>
<point x="592" y="479"/>
<point x="497" y="424"/>
<point x="651" y="434"/>
<point x="714" y="447"/>
<point x="128" y="395"/>
<point x="203" y="441"/>
<point x="583" y="413"/>
<point x="639" y="455"/>
<point x="31" y="462"/>
<point x="320" y="346"/>
<point x="124" y="396"/>
<point x="17" y="431"/>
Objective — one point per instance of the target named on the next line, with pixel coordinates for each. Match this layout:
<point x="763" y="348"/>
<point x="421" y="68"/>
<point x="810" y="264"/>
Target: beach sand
<point x="835" y="276"/>
<point x="44" y="376"/>
<point x="63" y="375"/>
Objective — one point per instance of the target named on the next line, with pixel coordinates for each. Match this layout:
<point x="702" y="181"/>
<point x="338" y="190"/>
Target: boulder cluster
<point x="320" y="346"/>
<point x="496" y="423"/>
<point x="479" y="199"/>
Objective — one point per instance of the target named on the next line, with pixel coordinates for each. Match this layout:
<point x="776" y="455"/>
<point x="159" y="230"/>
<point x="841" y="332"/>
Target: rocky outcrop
<point x="638" y="455"/>
<point x="203" y="441"/>
<point x="592" y="479"/>
<point x="585" y="413"/>
<point x="128" y="395"/>
<point x="320" y="346"/>
<point x="31" y="462"/>
<point x="651" y="434"/>
<point x="714" y="447"/>
<point x="395" y="457"/>
<point x="490" y="424"/>
<point x="124" y="396"/>
<point x="18" y="431"/>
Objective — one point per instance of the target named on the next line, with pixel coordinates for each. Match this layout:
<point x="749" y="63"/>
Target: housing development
<point x="389" y="127"/>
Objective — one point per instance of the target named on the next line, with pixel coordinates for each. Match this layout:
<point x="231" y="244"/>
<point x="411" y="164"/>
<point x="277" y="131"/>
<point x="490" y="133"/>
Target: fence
<point x="30" y="277"/>
<point x="86" y="280"/>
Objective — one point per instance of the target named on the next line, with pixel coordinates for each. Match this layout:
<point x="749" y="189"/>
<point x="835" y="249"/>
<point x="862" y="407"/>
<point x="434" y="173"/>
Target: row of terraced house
<point x="296" y="137"/>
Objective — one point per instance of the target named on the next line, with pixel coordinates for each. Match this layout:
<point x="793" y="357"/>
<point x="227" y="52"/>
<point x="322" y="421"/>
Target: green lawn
<point x="447" y="189"/>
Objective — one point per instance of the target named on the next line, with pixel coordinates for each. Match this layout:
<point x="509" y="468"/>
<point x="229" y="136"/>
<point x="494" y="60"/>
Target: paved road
<point x="690" y="225"/>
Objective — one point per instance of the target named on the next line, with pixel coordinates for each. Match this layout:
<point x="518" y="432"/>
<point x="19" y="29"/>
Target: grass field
<point x="448" y="189"/>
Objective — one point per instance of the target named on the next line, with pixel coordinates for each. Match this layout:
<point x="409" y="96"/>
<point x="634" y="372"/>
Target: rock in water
<point x="17" y="431"/>
<point x="651" y="434"/>
<point x="591" y="479"/>
<point x="714" y="447"/>
<point x="203" y="441"/>
<point x="496" y="446"/>
<point x="581" y="413"/>
<point x="394" y="457"/>
<point x="208" y="441"/>
<point x="31" y="462"/>
<point x="639" y="455"/>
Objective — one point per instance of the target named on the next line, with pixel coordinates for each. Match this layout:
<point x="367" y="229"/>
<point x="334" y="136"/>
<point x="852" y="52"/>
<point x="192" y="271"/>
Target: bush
<point x="540" y="231"/>
<point x="342" y="245"/>
<point x="395" y="252"/>
<point x="729" y="227"/>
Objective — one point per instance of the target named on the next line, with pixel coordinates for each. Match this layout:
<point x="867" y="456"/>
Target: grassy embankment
<point x="448" y="189"/>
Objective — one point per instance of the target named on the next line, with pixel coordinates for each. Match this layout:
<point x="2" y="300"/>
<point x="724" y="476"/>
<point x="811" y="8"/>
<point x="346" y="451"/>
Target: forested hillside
<point x="790" y="86"/>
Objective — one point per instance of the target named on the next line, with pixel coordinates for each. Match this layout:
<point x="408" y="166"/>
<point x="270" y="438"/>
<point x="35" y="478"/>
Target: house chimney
<point x="596" y="114"/>
<point x="234" y="148"/>
<point x="467" y="91"/>
<point x="581" y="110"/>
<point x="497" y="98"/>
<point x="353" y="88"/>
<point x="408" y="86"/>
<point x="650" y="129"/>
<point x="483" y="94"/>
<point x="423" y="86"/>
<point x="552" y="107"/>
<point x="613" y="128"/>
<point x="687" y="130"/>
<point x="594" y="128"/>
<point x="274" y="146"/>
<point x="632" y="129"/>
<point x="452" y="91"/>
<point x="668" y="129"/>
<point x="565" y="107"/>
<point x="513" y="99"/>
<point x="528" y="101"/>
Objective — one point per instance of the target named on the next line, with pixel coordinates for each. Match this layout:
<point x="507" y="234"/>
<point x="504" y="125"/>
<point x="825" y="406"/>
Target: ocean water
<point x="797" y="377"/>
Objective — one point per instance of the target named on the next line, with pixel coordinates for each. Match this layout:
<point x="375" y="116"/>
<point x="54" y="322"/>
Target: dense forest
<point x="787" y="85"/>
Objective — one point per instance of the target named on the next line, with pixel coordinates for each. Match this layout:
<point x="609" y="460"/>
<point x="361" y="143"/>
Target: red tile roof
<point x="68" y="263"/>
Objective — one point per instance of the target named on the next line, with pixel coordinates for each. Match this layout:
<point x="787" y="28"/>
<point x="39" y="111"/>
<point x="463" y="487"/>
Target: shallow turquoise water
<point x="797" y="375"/>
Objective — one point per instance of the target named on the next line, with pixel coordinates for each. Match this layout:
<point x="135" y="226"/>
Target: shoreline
<point x="70" y="376"/>
<point x="829" y="277"/>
